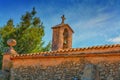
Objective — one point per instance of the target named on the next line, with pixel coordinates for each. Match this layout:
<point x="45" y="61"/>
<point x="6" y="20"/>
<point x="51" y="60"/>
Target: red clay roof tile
<point x="67" y="51"/>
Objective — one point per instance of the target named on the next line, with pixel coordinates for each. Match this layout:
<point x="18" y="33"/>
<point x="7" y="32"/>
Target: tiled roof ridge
<point x="68" y="50"/>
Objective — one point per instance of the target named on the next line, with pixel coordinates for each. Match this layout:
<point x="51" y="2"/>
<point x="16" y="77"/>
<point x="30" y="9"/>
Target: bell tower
<point x="62" y="36"/>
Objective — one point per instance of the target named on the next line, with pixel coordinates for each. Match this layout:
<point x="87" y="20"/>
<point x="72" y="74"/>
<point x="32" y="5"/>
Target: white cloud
<point x="102" y="9"/>
<point x="115" y="40"/>
<point x="99" y="20"/>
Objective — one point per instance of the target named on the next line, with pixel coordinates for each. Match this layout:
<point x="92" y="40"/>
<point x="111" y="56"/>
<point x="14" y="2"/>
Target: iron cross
<point x="63" y="19"/>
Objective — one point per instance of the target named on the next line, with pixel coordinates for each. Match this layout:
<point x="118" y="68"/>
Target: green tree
<point x="1" y="47"/>
<point x="28" y="33"/>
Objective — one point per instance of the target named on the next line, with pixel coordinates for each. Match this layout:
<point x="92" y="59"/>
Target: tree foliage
<point x="28" y="33"/>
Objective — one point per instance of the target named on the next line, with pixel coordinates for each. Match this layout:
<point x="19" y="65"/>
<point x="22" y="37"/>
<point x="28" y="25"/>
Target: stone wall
<point x="67" y="68"/>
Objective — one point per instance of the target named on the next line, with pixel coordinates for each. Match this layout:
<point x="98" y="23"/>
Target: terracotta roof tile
<point x="65" y="51"/>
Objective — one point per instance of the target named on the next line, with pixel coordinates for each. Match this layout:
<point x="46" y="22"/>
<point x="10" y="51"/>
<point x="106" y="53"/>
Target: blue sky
<point x="95" y="22"/>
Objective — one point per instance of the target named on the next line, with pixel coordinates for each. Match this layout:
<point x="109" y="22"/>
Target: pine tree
<point x="28" y="33"/>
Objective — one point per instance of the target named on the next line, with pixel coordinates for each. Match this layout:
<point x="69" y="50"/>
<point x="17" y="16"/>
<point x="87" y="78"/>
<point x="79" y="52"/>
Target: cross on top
<point x="63" y="19"/>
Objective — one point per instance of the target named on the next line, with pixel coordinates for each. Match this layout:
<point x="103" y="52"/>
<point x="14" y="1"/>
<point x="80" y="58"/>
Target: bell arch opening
<point x="65" y="38"/>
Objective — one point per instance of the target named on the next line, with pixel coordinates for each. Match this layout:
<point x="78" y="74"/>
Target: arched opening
<point x="65" y="39"/>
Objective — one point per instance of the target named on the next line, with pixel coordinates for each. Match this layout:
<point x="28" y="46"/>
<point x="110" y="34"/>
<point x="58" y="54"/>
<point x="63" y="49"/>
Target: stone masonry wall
<point x="67" y="68"/>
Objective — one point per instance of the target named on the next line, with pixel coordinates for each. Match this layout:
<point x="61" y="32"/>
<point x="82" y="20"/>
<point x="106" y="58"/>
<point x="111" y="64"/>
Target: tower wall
<point x="57" y="38"/>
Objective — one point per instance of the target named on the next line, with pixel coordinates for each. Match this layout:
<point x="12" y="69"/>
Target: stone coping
<point x="60" y="25"/>
<point x="97" y="51"/>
